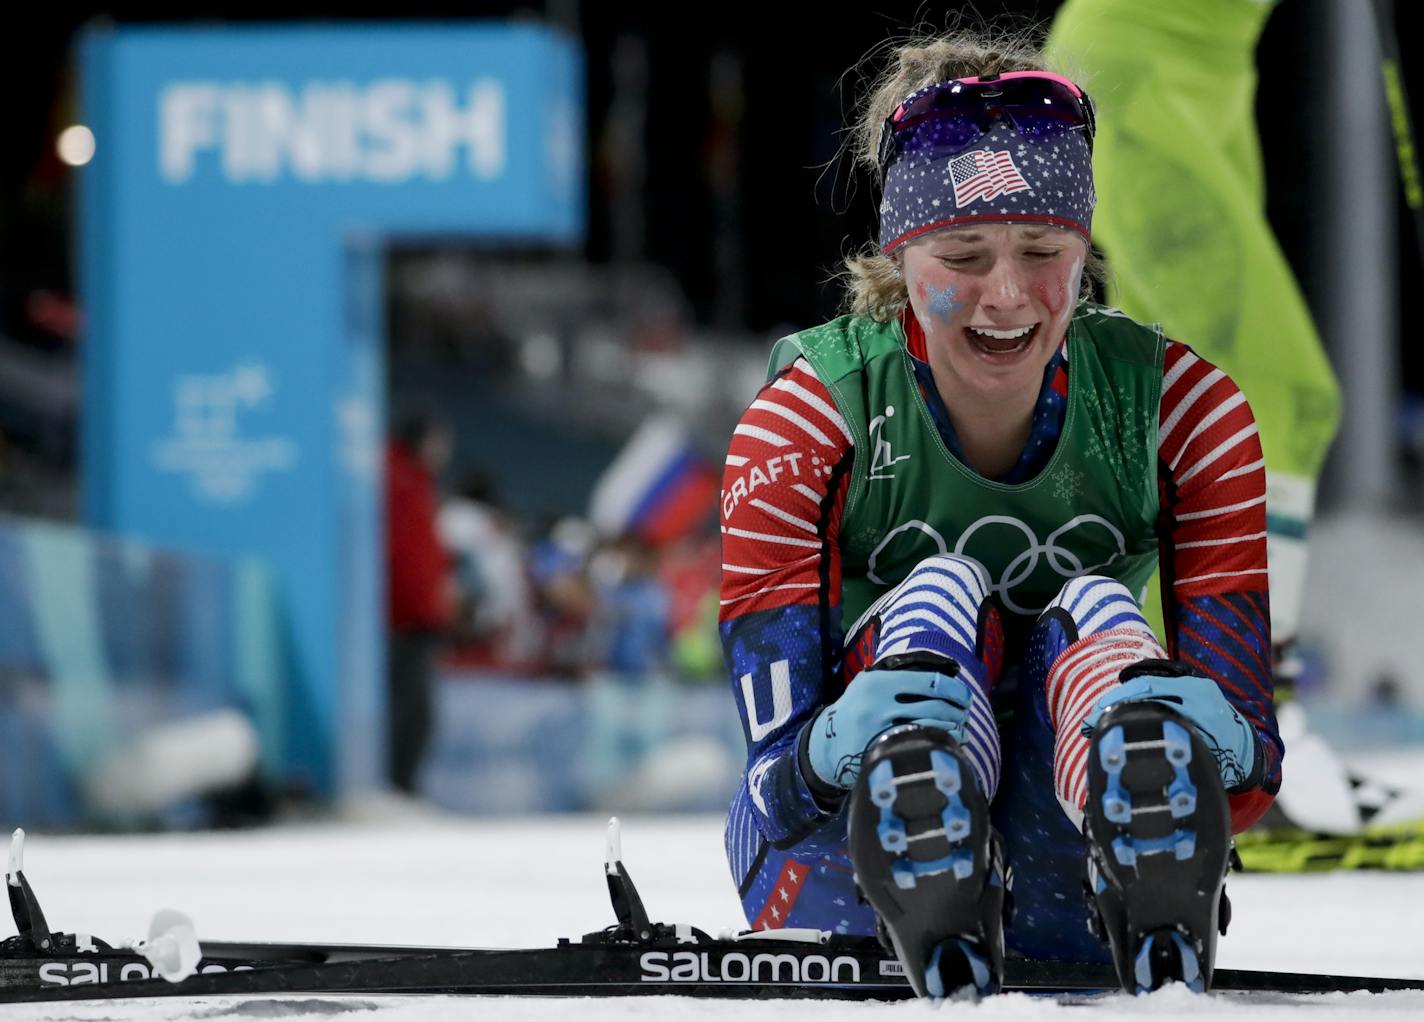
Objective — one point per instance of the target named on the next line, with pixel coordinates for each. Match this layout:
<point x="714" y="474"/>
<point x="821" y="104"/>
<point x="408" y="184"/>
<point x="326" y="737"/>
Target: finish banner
<point x="232" y="229"/>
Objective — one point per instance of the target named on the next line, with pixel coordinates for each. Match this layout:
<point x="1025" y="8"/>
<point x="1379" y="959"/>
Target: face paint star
<point x="942" y="303"/>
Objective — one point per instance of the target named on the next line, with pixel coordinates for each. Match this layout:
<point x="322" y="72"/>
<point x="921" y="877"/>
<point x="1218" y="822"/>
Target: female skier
<point x="939" y="517"/>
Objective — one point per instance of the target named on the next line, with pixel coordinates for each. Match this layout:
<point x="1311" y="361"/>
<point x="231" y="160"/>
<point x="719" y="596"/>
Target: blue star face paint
<point x="942" y="303"/>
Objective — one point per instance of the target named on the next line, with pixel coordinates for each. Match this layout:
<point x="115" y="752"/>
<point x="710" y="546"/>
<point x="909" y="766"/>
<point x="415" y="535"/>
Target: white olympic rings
<point x="1062" y="560"/>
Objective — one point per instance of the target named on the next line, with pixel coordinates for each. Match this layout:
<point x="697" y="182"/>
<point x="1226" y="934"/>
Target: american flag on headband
<point x="984" y="174"/>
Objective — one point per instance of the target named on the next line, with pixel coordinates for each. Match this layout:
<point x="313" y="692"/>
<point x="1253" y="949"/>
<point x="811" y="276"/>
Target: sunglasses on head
<point x="953" y="115"/>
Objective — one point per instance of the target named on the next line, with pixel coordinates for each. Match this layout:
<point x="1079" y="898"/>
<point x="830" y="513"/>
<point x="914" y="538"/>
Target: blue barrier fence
<point x="514" y="745"/>
<point x="102" y="639"/>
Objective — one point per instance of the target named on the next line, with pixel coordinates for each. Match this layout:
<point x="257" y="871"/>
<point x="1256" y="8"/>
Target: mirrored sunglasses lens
<point x="941" y="121"/>
<point x="944" y="131"/>
<point x="1037" y="122"/>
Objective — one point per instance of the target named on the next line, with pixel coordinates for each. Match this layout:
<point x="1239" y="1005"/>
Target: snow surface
<point x="506" y="883"/>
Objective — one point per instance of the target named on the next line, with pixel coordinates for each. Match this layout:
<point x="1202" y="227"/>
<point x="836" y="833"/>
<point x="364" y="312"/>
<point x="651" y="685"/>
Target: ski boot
<point x="1159" y="838"/>
<point x="927" y="860"/>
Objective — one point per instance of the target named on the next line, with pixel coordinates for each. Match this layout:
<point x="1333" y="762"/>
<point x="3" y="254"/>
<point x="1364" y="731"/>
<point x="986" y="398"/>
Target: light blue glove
<point x="874" y="701"/>
<point x="1226" y="733"/>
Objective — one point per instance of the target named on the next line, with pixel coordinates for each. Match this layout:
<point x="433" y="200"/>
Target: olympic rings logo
<point x="1065" y="562"/>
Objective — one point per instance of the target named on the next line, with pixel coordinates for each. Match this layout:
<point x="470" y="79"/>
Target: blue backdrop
<point x="232" y="226"/>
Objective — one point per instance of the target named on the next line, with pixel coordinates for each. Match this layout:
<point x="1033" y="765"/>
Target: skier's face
<point x="1019" y="281"/>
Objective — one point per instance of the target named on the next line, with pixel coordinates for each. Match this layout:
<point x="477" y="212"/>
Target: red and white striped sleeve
<point x="785" y="482"/>
<point x="788" y="468"/>
<point x="1213" y="479"/>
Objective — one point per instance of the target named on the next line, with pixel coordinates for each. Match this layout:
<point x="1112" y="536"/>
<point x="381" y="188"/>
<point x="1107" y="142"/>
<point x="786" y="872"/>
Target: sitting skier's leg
<point x="926" y="653"/>
<point x="914" y="738"/>
<point x="1043" y="843"/>
<point x="1143" y="754"/>
<point x="1094" y="628"/>
<point x="919" y="667"/>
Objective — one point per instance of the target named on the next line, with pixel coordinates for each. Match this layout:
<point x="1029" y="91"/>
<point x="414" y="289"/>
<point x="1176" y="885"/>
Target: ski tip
<point x="17" y="857"/>
<point x="614" y="853"/>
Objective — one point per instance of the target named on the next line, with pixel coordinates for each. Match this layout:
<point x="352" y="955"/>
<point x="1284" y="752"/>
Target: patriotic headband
<point x="1004" y="176"/>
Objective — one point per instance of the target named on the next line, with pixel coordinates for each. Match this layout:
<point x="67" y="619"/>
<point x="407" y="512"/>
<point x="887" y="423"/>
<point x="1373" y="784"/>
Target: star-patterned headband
<point x="1015" y="148"/>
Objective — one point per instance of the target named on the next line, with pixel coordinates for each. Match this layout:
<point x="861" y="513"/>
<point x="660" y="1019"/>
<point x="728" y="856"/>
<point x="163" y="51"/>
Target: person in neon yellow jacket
<point x="1181" y="218"/>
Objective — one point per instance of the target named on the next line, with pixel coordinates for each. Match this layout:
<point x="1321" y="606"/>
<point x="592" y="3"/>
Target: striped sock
<point x="1114" y="635"/>
<point x="936" y="610"/>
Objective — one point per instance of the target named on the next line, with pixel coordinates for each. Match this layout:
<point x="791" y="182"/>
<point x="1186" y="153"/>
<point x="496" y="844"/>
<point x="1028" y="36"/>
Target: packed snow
<point x="420" y="879"/>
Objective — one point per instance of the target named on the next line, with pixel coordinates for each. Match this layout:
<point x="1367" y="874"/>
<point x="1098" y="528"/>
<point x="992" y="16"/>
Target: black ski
<point x="843" y="968"/>
<point x="631" y="958"/>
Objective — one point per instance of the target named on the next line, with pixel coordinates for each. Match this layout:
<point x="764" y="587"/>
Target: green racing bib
<point x="1092" y="509"/>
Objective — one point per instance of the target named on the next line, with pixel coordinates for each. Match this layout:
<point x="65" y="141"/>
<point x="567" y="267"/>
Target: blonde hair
<point x="873" y="283"/>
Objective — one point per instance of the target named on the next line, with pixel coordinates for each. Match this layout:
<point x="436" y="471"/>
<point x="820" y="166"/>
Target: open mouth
<point x="1006" y="341"/>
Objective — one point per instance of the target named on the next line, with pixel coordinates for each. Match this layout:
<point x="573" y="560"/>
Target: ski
<point x="633" y="957"/>
<point x="1397" y="846"/>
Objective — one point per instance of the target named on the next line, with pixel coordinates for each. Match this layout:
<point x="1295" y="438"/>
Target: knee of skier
<point x="959" y="578"/>
<point x="1092" y="604"/>
<point x="1084" y="638"/>
<point x="943" y="606"/>
<point x="1094" y="619"/>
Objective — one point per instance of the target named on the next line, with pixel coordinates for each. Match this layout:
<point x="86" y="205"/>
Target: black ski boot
<point x="927" y="860"/>
<point x="1159" y="839"/>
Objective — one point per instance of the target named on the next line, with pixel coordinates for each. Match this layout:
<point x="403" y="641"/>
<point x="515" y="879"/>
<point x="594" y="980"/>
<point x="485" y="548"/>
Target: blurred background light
<point x="75" y="145"/>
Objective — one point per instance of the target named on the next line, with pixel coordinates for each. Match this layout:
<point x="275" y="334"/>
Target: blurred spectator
<point x="566" y="600"/>
<point x="634" y="610"/>
<point x="496" y="622"/>
<point x="691" y="569"/>
<point x="421" y="585"/>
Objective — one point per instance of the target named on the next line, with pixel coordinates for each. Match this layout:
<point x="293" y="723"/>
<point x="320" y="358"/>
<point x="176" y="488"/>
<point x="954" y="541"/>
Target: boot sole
<point x="1159" y="824"/>
<point x="919" y="842"/>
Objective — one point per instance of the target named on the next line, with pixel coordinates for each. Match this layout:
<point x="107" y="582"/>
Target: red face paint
<point x="1054" y="293"/>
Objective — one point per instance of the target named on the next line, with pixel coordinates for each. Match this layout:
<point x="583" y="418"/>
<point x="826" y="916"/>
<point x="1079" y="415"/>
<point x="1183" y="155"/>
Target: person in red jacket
<point x="421" y="597"/>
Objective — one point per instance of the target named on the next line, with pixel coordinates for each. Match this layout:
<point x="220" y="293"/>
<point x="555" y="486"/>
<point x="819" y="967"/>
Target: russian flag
<point x="657" y="488"/>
